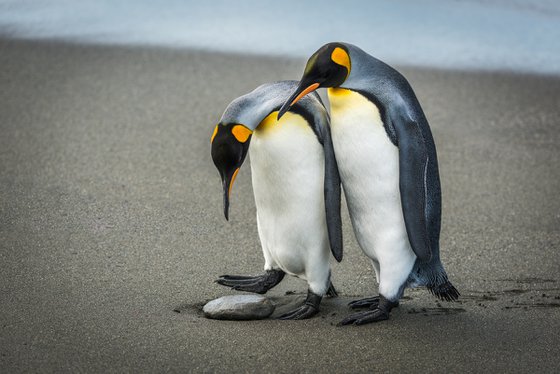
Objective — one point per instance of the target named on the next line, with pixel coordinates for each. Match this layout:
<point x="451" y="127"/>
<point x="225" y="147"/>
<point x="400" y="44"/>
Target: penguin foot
<point x="303" y="312"/>
<point x="257" y="284"/>
<point x="362" y="318"/>
<point x="309" y="308"/>
<point x="379" y="312"/>
<point x="368" y="302"/>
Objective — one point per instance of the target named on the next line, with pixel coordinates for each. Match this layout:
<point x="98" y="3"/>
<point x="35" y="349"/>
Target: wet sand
<point x="112" y="230"/>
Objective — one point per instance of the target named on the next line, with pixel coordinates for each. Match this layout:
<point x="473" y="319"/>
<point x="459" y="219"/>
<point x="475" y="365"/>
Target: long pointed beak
<point x="227" y="185"/>
<point x="300" y="92"/>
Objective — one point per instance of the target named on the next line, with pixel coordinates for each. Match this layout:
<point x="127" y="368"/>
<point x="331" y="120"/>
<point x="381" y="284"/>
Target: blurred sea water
<point x="515" y="35"/>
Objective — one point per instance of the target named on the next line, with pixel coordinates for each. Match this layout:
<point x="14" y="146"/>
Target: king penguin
<point x="389" y="171"/>
<point x="296" y="186"/>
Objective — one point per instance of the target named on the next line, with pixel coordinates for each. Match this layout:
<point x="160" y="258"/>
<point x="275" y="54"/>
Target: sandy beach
<point x="112" y="231"/>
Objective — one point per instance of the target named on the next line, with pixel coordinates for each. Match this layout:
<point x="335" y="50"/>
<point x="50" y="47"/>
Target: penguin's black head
<point x="230" y="143"/>
<point x="328" y="67"/>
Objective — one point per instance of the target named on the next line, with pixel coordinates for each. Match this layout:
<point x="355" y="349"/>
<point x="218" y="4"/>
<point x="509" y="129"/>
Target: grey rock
<point x="239" y="307"/>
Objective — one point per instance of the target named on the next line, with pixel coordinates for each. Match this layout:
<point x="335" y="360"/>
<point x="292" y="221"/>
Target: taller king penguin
<point x="389" y="171"/>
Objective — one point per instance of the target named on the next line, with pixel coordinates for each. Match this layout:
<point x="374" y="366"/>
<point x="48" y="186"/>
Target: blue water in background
<point x="518" y="35"/>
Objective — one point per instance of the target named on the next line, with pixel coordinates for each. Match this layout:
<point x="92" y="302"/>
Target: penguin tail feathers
<point x="444" y="291"/>
<point x="433" y="276"/>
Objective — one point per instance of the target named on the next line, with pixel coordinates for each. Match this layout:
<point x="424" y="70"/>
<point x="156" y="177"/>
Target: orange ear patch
<point x="340" y="56"/>
<point x="241" y="133"/>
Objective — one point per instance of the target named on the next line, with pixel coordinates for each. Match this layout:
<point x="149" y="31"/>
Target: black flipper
<point x="257" y="284"/>
<point x="413" y="165"/>
<point x="332" y="196"/>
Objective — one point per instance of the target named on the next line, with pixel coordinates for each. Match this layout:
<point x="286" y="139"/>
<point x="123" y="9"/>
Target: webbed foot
<point x="378" y="312"/>
<point x="303" y="312"/>
<point x="309" y="308"/>
<point x="368" y="302"/>
<point x="257" y="284"/>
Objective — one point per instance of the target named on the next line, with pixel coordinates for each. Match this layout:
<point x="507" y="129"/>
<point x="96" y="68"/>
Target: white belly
<point x="369" y="170"/>
<point x="287" y="166"/>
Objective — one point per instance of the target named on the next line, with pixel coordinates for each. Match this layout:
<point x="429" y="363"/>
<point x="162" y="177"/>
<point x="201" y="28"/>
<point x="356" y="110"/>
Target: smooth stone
<point x="239" y="307"/>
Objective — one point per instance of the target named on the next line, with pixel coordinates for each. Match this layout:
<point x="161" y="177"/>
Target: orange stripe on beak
<point x="309" y="89"/>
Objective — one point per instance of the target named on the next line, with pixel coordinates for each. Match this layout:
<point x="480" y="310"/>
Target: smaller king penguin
<point x="296" y="187"/>
<point x="388" y="167"/>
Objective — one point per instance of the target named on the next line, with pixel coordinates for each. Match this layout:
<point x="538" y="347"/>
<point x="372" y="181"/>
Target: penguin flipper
<point x="332" y="196"/>
<point x="413" y="165"/>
